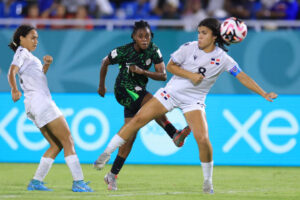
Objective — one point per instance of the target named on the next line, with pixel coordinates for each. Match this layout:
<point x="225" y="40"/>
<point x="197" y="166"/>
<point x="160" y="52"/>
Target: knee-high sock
<point x="207" y="170"/>
<point x="115" y="142"/>
<point x="43" y="168"/>
<point x="74" y="166"/>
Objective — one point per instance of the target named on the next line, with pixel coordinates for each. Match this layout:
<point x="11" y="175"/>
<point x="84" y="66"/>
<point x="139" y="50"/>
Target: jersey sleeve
<point x="232" y="66"/>
<point x="20" y="57"/>
<point x="117" y="55"/>
<point x="179" y="55"/>
<point x="157" y="58"/>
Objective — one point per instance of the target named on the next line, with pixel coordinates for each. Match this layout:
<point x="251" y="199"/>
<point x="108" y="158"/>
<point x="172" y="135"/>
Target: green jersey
<point x="127" y="81"/>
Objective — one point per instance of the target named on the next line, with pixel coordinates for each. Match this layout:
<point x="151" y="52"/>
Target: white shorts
<point x="41" y="110"/>
<point x="170" y="102"/>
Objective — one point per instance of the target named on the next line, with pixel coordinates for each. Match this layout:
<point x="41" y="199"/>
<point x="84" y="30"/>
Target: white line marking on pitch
<point x="152" y="194"/>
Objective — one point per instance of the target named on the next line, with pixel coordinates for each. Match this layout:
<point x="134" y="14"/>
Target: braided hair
<point x="140" y="25"/>
<point x="214" y="25"/>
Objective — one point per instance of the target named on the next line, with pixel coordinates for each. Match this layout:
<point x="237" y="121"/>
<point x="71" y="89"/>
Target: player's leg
<point x="60" y="129"/>
<point x="151" y="110"/>
<point x="197" y="121"/>
<point x="124" y="150"/>
<point x="178" y="136"/>
<point x="46" y="162"/>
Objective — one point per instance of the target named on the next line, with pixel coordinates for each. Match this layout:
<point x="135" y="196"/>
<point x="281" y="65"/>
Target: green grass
<point x="157" y="182"/>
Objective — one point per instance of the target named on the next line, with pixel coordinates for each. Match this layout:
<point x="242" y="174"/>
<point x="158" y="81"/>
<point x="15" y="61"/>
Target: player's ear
<point x="133" y="37"/>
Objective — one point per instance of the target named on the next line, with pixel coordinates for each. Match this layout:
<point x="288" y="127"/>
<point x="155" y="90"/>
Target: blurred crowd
<point x="192" y="11"/>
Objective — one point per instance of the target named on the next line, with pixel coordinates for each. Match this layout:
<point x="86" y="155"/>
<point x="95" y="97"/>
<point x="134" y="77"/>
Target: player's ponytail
<point x="22" y="30"/>
<point x="214" y="25"/>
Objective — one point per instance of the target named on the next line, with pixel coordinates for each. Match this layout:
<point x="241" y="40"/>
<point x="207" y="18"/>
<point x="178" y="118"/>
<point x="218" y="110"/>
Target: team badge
<point x="215" y="61"/>
<point x="165" y="95"/>
<point x="148" y="61"/>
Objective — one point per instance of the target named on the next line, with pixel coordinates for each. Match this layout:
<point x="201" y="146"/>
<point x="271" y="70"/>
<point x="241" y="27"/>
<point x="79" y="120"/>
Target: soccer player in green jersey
<point x="135" y="60"/>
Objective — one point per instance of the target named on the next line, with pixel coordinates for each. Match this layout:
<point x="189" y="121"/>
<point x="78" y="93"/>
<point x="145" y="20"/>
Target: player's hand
<point x="270" y="96"/>
<point x="102" y="91"/>
<point x="136" y="69"/>
<point x="16" y="95"/>
<point x="196" y="78"/>
<point x="48" y="59"/>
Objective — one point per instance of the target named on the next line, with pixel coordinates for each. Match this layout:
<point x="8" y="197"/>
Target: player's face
<point x="206" y="39"/>
<point x="142" y="38"/>
<point x="30" y="41"/>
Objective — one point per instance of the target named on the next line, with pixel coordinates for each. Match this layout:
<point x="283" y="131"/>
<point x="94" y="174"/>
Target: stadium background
<point x="244" y="128"/>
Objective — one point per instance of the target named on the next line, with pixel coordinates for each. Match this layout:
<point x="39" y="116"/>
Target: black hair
<point x="214" y="25"/>
<point x="139" y="25"/>
<point x="22" y="30"/>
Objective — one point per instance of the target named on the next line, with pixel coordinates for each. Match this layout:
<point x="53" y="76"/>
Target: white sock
<point x="43" y="168"/>
<point x="115" y="142"/>
<point x="74" y="166"/>
<point x="207" y="170"/>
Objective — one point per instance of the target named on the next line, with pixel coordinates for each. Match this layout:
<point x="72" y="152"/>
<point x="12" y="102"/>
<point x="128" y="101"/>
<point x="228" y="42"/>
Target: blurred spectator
<point x="104" y="8"/>
<point x="171" y="10"/>
<point x="278" y="9"/>
<point x="215" y="8"/>
<point x="193" y="14"/>
<point x="239" y="8"/>
<point x="72" y="6"/>
<point x="82" y="14"/>
<point x="58" y="11"/>
<point x="14" y="8"/>
<point x="168" y="9"/>
<point x="33" y="12"/>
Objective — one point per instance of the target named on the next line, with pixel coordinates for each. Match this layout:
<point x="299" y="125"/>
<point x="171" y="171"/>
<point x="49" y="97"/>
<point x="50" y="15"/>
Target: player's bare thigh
<point x="196" y="119"/>
<point x="152" y="109"/>
<point x="61" y="131"/>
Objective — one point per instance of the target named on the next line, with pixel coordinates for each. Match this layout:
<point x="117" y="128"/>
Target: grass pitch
<point x="157" y="182"/>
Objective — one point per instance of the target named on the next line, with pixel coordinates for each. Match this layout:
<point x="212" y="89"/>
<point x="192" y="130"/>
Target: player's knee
<point x="202" y="138"/>
<point x="55" y="150"/>
<point x="139" y="120"/>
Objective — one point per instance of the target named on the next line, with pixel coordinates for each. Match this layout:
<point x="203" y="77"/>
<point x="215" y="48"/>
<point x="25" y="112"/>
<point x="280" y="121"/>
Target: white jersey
<point x="189" y="57"/>
<point x="32" y="79"/>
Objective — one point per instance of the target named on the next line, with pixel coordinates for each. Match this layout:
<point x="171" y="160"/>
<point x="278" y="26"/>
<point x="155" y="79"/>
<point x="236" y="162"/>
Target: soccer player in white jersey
<point x="196" y="66"/>
<point x="41" y="109"/>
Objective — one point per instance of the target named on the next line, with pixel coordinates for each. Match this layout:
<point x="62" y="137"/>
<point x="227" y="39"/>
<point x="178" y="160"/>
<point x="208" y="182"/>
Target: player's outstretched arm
<point x="47" y="62"/>
<point x="173" y="68"/>
<point x="252" y="85"/>
<point x="103" y="72"/>
<point x="15" y="93"/>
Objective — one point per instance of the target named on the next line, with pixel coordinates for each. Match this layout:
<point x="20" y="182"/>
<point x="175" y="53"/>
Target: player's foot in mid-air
<point x="111" y="181"/>
<point x="37" y="185"/>
<point x="208" y="187"/>
<point x="101" y="161"/>
<point x="81" y="186"/>
<point x="180" y="135"/>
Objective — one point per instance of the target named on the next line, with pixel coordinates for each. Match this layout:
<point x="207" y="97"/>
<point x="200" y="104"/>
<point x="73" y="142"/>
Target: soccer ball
<point x="233" y="30"/>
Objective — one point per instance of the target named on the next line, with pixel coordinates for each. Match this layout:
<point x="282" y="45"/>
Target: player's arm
<point x="173" y="68"/>
<point x="159" y="74"/>
<point x="252" y="85"/>
<point x="103" y="72"/>
<point x="47" y="62"/>
<point x="15" y="93"/>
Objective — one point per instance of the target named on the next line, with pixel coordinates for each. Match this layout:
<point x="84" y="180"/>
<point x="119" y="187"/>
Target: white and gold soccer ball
<point x="233" y="30"/>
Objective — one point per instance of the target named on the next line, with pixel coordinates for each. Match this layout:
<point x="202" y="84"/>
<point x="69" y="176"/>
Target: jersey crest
<point x="215" y="61"/>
